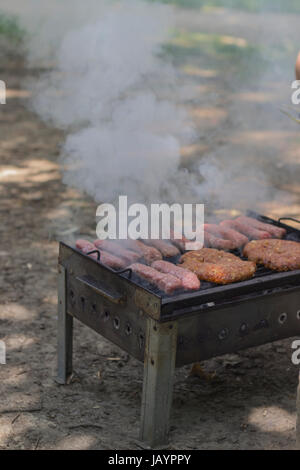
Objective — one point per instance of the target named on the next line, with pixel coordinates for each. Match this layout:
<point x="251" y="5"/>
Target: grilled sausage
<point x="236" y="238"/>
<point x="211" y="241"/>
<point x="230" y="233"/>
<point x="277" y="232"/>
<point x="179" y="240"/>
<point x="167" y="249"/>
<point x="214" y="229"/>
<point x="116" y="249"/>
<point x="84" y="245"/>
<point x="188" y="279"/>
<point x="165" y="282"/>
<point x="246" y="229"/>
<point x="148" y="253"/>
<point x="106" y="258"/>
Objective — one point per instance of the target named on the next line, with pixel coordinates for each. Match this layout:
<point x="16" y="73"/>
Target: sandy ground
<point x="250" y="404"/>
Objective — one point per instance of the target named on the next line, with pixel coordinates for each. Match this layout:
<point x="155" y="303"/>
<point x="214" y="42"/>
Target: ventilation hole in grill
<point x="116" y="323"/>
<point x="82" y="299"/>
<point x="106" y="315"/>
<point x="244" y="329"/>
<point x="128" y="329"/>
<point x="262" y="324"/>
<point x="72" y="294"/>
<point x="298" y="314"/>
<point x="282" y="318"/>
<point x="141" y="340"/>
<point x="223" y="333"/>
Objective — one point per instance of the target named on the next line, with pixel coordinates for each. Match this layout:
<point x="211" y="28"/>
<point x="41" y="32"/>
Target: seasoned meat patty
<point x="279" y="255"/>
<point x="217" y="266"/>
<point x="210" y="255"/>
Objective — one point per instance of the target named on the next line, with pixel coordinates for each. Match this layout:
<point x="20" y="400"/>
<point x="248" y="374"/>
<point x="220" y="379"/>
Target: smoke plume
<point x="109" y="84"/>
<point x="110" y="89"/>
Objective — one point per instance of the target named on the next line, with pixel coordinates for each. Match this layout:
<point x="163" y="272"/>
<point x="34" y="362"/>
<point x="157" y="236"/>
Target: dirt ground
<point x="250" y="403"/>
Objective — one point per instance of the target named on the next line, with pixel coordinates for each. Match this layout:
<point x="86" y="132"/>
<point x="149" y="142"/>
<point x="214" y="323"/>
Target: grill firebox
<point x="168" y="332"/>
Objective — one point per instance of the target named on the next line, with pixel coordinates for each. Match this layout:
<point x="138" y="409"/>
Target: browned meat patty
<point x="279" y="255"/>
<point x="210" y="255"/>
<point x="217" y="266"/>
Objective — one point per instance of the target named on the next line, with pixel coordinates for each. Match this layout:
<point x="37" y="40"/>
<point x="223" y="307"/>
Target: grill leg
<point x="65" y="331"/>
<point x="159" y="367"/>
<point x="298" y="417"/>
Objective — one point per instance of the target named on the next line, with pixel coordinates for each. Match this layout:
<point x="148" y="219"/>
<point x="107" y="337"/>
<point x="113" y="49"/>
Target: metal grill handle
<point x="108" y="293"/>
<point x="289" y="218"/>
<point x="129" y="270"/>
<point x="95" y="251"/>
<point x="123" y="271"/>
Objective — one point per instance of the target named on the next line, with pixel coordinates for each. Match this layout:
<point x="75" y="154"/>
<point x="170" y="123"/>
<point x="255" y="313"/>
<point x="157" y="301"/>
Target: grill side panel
<point x="227" y="329"/>
<point x="106" y="302"/>
<point x="122" y="325"/>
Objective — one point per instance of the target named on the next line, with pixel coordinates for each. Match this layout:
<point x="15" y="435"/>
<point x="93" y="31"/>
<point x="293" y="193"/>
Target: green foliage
<point x="216" y="48"/>
<point x="10" y="28"/>
<point x="224" y="53"/>
<point x="292" y="6"/>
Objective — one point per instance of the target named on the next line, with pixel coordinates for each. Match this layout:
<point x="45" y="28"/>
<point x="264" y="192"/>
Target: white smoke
<point x="110" y="86"/>
<point x="48" y="21"/>
<point x="114" y="92"/>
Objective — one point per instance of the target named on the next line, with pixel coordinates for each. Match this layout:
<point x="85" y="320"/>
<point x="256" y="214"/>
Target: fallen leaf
<point x="198" y="371"/>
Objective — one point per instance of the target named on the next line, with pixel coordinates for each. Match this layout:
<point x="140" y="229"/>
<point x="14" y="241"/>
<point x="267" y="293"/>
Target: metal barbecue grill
<point x="170" y="331"/>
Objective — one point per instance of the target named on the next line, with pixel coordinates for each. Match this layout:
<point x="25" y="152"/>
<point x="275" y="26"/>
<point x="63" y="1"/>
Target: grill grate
<point x="264" y="279"/>
<point x="261" y="272"/>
